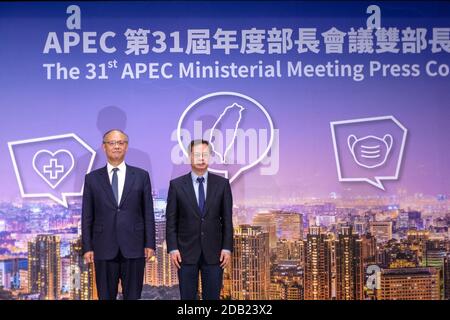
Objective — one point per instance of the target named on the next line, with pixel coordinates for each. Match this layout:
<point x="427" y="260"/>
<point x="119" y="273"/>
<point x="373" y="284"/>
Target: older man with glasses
<point x="118" y="225"/>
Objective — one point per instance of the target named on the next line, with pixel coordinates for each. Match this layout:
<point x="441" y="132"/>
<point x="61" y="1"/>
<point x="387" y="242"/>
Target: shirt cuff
<point x="173" y="251"/>
<point x="226" y="250"/>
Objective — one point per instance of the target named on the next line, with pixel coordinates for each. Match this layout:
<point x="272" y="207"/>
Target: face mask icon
<point x="370" y="151"/>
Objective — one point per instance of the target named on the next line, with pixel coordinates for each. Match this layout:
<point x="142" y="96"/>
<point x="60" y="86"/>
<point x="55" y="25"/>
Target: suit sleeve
<point x="171" y="219"/>
<point x="227" y="218"/>
<point x="149" y="215"/>
<point x="87" y="216"/>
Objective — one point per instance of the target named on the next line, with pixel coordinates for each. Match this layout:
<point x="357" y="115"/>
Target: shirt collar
<point x="121" y="166"/>
<point x="195" y="176"/>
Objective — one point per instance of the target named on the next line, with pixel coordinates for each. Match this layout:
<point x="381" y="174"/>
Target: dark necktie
<point x="115" y="184"/>
<point x="201" y="195"/>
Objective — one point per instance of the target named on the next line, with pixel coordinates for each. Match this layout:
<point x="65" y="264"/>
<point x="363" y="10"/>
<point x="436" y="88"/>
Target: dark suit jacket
<point x="191" y="234"/>
<point x="106" y="226"/>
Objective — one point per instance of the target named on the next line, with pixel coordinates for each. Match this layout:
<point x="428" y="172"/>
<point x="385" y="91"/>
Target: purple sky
<point x="301" y="108"/>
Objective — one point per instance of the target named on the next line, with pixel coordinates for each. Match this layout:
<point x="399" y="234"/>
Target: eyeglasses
<point x="120" y="143"/>
<point x="199" y="155"/>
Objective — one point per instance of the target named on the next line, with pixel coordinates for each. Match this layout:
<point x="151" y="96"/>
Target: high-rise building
<point x="160" y="271"/>
<point x="286" y="281"/>
<point x="10" y="272"/>
<point x="360" y="227"/>
<point x="417" y="235"/>
<point x="160" y="254"/>
<point x="447" y="277"/>
<point x="317" y="265"/>
<point x="170" y="275"/>
<point x="268" y="222"/>
<point x="23" y="275"/>
<point x="44" y="267"/>
<point x="408" y="284"/>
<point x="289" y="225"/>
<point x="33" y="268"/>
<point x="225" y="293"/>
<point x="291" y="250"/>
<point x="3" y="273"/>
<point x="82" y="276"/>
<point x="409" y="220"/>
<point x="435" y="258"/>
<point x="402" y="221"/>
<point x="435" y="255"/>
<point x="349" y="266"/>
<point x="435" y="252"/>
<point x="417" y="240"/>
<point x="250" y="264"/>
<point x="331" y="238"/>
<point x="88" y="288"/>
<point x="381" y="230"/>
<point x="65" y="276"/>
<point x="415" y="220"/>
<point x="151" y="272"/>
<point x="369" y="249"/>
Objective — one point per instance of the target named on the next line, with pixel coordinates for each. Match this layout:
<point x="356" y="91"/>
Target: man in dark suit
<point x="118" y="224"/>
<point x="199" y="227"/>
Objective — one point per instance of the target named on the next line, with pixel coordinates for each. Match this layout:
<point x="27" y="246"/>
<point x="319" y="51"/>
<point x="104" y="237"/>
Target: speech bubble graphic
<point x="368" y="149"/>
<point x="224" y="102"/>
<point x="47" y="167"/>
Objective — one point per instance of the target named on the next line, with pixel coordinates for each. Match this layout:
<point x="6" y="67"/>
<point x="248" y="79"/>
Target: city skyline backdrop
<point x="402" y="230"/>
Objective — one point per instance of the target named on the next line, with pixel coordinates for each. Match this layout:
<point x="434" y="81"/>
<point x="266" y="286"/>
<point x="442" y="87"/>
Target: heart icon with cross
<point x="53" y="167"/>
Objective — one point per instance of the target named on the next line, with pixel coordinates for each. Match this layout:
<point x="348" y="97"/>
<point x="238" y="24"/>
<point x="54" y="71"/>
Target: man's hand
<point x="175" y="256"/>
<point x="149" y="253"/>
<point x="225" y="258"/>
<point x="89" y="257"/>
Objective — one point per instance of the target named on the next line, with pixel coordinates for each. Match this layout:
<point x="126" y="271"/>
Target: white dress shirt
<point x="120" y="177"/>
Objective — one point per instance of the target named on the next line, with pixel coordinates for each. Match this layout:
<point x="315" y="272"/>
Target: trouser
<point x="211" y="275"/>
<point x="129" y="271"/>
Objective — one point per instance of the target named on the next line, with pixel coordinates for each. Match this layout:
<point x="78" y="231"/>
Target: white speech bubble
<point x="235" y="94"/>
<point x="377" y="180"/>
<point x="64" y="195"/>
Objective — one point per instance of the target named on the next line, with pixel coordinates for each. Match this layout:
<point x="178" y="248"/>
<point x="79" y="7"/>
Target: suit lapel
<point x="129" y="180"/>
<point x="190" y="192"/>
<point x="210" y="191"/>
<point x="106" y="184"/>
